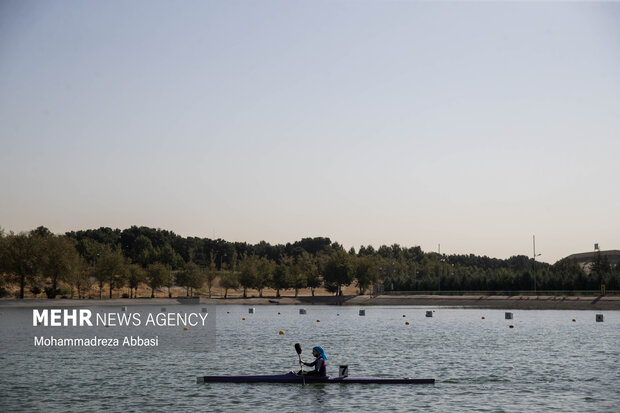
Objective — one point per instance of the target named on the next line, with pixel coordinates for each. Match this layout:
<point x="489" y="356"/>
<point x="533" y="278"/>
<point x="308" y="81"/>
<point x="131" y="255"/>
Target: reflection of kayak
<point x="274" y="302"/>
<point x="294" y="378"/>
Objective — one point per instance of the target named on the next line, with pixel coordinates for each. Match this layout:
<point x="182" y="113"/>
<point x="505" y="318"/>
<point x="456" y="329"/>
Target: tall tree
<point x="90" y="250"/>
<point x="229" y="281"/>
<point x="197" y="279"/>
<point x="304" y="268"/>
<point x="157" y="276"/>
<point x="280" y="279"/>
<point x="111" y="268"/>
<point x="58" y="256"/>
<point x="366" y="272"/>
<point x="248" y="273"/>
<point x="170" y="279"/>
<point x="142" y="251"/>
<point x="42" y="232"/>
<point x="21" y="259"/>
<point x="264" y="271"/>
<point x="338" y="271"/>
<point x="135" y="276"/>
<point x="168" y="256"/>
<point x="311" y="269"/>
<point x="600" y="269"/>
<point x="211" y="273"/>
<point x="192" y="276"/>
<point x="78" y="275"/>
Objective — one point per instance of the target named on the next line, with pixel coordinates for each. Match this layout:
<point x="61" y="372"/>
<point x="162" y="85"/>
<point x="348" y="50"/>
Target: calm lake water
<point x="546" y="362"/>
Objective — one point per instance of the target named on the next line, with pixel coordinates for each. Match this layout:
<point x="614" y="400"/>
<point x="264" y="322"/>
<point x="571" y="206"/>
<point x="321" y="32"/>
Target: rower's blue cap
<point x="321" y="352"/>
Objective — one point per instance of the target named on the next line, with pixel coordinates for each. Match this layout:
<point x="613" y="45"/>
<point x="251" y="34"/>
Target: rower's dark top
<point x="319" y="366"/>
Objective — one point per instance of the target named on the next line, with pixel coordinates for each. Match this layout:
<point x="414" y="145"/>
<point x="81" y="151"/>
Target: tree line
<point x="72" y="263"/>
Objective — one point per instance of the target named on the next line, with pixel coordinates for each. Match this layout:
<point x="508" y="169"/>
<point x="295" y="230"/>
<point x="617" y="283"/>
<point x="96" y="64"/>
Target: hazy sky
<point x="471" y="124"/>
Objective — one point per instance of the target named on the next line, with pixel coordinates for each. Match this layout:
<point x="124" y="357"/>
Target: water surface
<point x="546" y="362"/>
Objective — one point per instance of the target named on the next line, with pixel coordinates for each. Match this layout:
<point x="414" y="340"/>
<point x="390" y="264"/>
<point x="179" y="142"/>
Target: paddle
<point x="298" y="350"/>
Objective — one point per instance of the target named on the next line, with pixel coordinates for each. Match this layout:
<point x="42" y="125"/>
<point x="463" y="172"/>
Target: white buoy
<point x="362" y="312"/>
<point x="599" y="318"/>
<point x="251" y="310"/>
<point x="302" y="311"/>
<point x="429" y="313"/>
<point x="508" y="316"/>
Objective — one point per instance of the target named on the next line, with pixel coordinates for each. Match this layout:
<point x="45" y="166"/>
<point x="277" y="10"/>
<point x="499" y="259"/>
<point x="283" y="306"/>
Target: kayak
<point x="294" y="378"/>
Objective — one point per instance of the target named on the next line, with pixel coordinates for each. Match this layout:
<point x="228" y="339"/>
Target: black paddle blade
<point x="298" y="348"/>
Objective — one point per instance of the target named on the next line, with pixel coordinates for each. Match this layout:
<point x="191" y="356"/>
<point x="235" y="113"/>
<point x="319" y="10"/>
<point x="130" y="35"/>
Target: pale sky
<point x="473" y="125"/>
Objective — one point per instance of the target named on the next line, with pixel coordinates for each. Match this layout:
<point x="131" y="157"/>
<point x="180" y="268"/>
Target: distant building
<point x="585" y="259"/>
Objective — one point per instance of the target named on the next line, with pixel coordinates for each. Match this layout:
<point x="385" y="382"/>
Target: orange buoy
<point x="574" y="320"/>
<point x="403" y="315"/>
<point x="511" y="326"/>
<point x="406" y="323"/>
<point x="243" y="318"/>
<point x="483" y="317"/>
<point x="281" y="332"/>
<point x="318" y="321"/>
<point x="185" y="328"/>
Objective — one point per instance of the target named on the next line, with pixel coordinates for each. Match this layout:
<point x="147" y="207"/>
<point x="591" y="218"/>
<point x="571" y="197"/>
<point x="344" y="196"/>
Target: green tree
<point x="111" y="268"/>
<point x="42" y="232"/>
<point x="142" y="251"/>
<point x="305" y="267"/>
<point x="58" y="257"/>
<point x="600" y="270"/>
<point x="338" y="271"/>
<point x="366" y="273"/>
<point x="234" y="261"/>
<point x="280" y="279"/>
<point x="168" y="256"/>
<point x="170" y="278"/>
<point x="78" y="275"/>
<point x="229" y="281"/>
<point x="197" y="280"/>
<point x="21" y="259"/>
<point x="248" y="273"/>
<point x="211" y="273"/>
<point x="264" y="271"/>
<point x="90" y="250"/>
<point x="135" y="276"/>
<point x="310" y="267"/>
<point x="192" y="276"/>
<point x="157" y="276"/>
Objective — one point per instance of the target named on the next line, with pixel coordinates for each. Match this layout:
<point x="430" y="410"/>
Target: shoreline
<point x="610" y="303"/>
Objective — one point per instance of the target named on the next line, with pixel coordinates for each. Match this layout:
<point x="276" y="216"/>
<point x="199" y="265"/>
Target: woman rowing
<point x="320" y="368"/>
